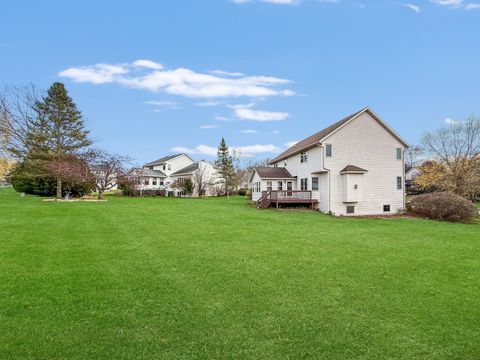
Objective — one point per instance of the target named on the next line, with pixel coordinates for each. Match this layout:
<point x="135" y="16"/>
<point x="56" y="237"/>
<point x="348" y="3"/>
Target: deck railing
<point x="277" y="197"/>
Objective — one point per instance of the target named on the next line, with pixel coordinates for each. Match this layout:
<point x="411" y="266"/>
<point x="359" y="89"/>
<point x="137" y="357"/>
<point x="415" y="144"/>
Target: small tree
<point x="224" y="166"/>
<point x="188" y="186"/>
<point x="201" y="180"/>
<point x="106" y="168"/>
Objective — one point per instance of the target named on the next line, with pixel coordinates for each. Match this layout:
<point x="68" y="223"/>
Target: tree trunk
<point x="59" y="189"/>
<point x="100" y="194"/>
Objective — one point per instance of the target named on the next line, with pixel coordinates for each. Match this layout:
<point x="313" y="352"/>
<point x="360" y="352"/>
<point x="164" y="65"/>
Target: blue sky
<point x="156" y="77"/>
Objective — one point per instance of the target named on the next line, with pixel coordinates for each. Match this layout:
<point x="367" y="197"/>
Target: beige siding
<point x="365" y="143"/>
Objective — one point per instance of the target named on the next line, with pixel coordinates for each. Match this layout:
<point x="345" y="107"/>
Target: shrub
<point x="242" y="192"/>
<point x="444" y="206"/>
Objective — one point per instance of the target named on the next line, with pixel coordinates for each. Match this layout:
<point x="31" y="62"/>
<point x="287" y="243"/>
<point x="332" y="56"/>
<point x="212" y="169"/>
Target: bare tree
<point x="17" y="115"/>
<point x="413" y="155"/>
<point x="457" y="149"/>
<point x="201" y="180"/>
<point x="105" y="168"/>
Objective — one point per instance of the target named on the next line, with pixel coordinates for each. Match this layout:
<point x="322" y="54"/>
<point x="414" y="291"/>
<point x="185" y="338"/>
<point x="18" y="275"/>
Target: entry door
<point x="289" y="188"/>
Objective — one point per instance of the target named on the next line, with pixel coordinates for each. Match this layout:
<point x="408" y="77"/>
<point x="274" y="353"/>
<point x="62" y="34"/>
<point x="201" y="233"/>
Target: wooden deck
<point x="291" y="197"/>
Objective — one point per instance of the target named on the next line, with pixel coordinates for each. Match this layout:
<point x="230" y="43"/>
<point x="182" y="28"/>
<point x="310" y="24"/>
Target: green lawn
<point x="163" y="278"/>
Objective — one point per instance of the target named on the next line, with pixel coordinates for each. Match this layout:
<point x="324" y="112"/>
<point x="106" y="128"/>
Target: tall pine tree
<point x="59" y="131"/>
<point x="224" y="166"/>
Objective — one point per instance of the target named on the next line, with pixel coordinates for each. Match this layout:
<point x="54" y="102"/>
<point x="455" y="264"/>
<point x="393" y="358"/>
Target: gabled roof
<point x="190" y="169"/>
<point x="273" y="173"/>
<point x="317" y="138"/>
<point x="163" y="160"/>
<point x="352" y="169"/>
<point x="148" y="172"/>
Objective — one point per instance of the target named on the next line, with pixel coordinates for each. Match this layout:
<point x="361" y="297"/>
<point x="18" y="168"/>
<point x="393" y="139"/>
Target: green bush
<point x="444" y="206"/>
<point x="242" y="192"/>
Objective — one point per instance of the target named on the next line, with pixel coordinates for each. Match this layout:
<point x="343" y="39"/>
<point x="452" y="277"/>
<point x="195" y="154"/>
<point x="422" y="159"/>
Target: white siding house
<point x="353" y="167"/>
<point x="168" y="173"/>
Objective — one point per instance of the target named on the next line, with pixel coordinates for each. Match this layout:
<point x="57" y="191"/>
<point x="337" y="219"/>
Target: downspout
<point x="329" y="180"/>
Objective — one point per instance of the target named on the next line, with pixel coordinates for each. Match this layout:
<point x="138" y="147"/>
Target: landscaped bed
<point x="162" y="278"/>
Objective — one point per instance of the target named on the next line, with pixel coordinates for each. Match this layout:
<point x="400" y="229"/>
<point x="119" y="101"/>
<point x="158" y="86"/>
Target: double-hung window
<point x="314" y="183"/>
<point x="399" y="183"/>
<point x="399" y="153"/>
<point x="304" y="184"/>
<point x="303" y="157"/>
<point x="269" y="186"/>
<point x="279" y="185"/>
<point x="328" y="150"/>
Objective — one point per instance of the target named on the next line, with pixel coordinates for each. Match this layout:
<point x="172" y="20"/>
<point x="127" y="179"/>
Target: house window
<point x="169" y="167"/>
<point x="386" y="208"/>
<point x="269" y="186"/>
<point x="328" y="150"/>
<point x="161" y="182"/>
<point x="314" y="183"/>
<point x="284" y="163"/>
<point x="350" y="209"/>
<point x="279" y="185"/>
<point x="275" y="165"/>
<point x="399" y="183"/>
<point x="150" y="167"/>
<point x="304" y="184"/>
<point x="164" y="166"/>
<point x="259" y="187"/>
<point x="146" y="182"/>
<point x="154" y="182"/>
<point x="399" y="153"/>
<point x="303" y="157"/>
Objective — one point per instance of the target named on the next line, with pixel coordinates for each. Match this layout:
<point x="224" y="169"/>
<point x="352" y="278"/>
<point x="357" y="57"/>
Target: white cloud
<point x="280" y="2"/>
<point x="450" y="121"/>
<point x="208" y="127"/>
<point x="148" y="64"/>
<point x="245" y="151"/>
<point x="181" y="81"/>
<point x="244" y="112"/>
<point x="248" y="131"/>
<point x="291" y="143"/>
<point x="226" y="73"/>
<point x="163" y="103"/>
<point x="209" y="103"/>
<point x="457" y="4"/>
<point x="222" y="118"/>
<point x="415" y="8"/>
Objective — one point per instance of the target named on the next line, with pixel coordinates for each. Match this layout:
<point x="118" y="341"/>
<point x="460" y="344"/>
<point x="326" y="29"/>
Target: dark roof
<point x="312" y="140"/>
<point x="273" y="173"/>
<point x="154" y="173"/>
<point x="353" y="168"/>
<point x="162" y="160"/>
<point x="190" y="169"/>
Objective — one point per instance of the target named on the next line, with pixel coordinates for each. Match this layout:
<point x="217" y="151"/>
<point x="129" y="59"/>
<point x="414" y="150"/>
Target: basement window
<point x="350" y="209"/>
<point x="386" y="208"/>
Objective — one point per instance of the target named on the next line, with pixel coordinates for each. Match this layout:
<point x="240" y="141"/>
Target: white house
<point x="353" y="167"/>
<point x="169" y="173"/>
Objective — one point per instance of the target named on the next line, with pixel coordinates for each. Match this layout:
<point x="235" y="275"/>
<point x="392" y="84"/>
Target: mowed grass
<point x="163" y="278"/>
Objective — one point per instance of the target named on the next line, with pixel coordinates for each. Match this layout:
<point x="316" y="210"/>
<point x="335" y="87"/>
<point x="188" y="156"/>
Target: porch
<point x="282" y="197"/>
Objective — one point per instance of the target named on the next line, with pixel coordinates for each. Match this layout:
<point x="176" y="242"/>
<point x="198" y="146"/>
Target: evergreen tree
<point x="224" y="166"/>
<point x="59" y="131"/>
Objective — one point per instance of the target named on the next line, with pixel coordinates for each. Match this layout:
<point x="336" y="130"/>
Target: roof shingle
<point x="273" y="173"/>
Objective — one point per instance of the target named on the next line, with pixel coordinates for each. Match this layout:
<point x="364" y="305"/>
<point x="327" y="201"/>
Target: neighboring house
<point x="353" y="167"/>
<point x="411" y="173"/>
<point x="168" y="173"/>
